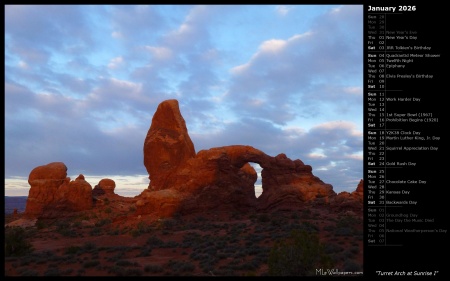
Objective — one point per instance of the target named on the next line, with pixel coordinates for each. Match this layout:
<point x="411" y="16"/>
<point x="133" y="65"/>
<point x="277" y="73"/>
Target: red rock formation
<point x="72" y="196"/>
<point x="221" y="178"/>
<point x="215" y="179"/>
<point x="52" y="193"/>
<point x="44" y="181"/>
<point x="166" y="145"/>
<point x="105" y="186"/>
<point x="290" y="184"/>
<point x="184" y="182"/>
<point x="349" y="201"/>
<point x="358" y="194"/>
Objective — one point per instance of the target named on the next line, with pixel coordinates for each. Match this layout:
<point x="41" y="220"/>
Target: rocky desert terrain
<point x="110" y="241"/>
<point x="199" y="216"/>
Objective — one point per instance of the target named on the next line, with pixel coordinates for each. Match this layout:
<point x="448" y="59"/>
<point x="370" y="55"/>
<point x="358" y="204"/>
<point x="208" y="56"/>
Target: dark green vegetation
<point x="17" y="241"/>
<point x="210" y="244"/>
<point x="299" y="255"/>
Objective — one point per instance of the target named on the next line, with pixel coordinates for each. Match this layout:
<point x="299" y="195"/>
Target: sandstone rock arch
<point x="182" y="181"/>
<point x="220" y="177"/>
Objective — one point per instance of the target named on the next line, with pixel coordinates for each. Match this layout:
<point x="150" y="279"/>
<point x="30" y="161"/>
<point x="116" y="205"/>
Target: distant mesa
<point x="184" y="182"/>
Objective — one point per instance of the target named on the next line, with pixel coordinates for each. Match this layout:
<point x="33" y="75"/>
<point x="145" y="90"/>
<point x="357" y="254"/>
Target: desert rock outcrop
<point x="183" y="182"/>
<point x="350" y="200"/>
<point x="166" y="145"/>
<point x="104" y="187"/>
<point x="52" y="193"/>
<point x="219" y="177"/>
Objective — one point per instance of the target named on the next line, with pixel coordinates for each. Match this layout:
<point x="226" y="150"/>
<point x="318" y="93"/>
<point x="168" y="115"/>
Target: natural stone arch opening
<point x="258" y="182"/>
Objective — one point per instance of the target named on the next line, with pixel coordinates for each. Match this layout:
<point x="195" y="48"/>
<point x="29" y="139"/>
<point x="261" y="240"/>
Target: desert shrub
<point x="52" y="271"/>
<point x="114" y="232"/>
<point x="343" y="231"/>
<point x="169" y="223"/>
<point x="133" y="272"/>
<point x="27" y="272"/>
<point x="225" y="272"/>
<point x="116" y="257"/>
<point x="309" y="226"/>
<point x="83" y="217"/>
<point x="125" y="263"/>
<point x="67" y="271"/>
<point x="88" y="246"/>
<point x="354" y="249"/>
<point x="180" y="266"/>
<point x="80" y="272"/>
<point x="40" y="224"/>
<point x="72" y="250"/>
<point x="170" y="244"/>
<point x="351" y="266"/>
<point x="142" y="227"/>
<point x="299" y="255"/>
<point x="306" y="213"/>
<point x="154" y="242"/>
<point x="331" y="248"/>
<point x="200" y="219"/>
<point x="329" y="227"/>
<point x="27" y="260"/>
<point x="145" y="251"/>
<point x="135" y="233"/>
<point x="153" y="268"/>
<point x="47" y="255"/>
<point x="77" y="224"/>
<point x="108" y="210"/>
<point x="91" y="263"/>
<point x="16" y="242"/>
<point x="236" y="215"/>
<point x="103" y="222"/>
<point x="347" y="254"/>
<point x="207" y="266"/>
<point x="63" y="228"/>
<point x="263" y="218"/>
<point x="230" y="249"/>
<point x="347" y="221"/>
<point x="117" y="270"/>
<point x="222" y="256"/>
<point x="96" y="231"/>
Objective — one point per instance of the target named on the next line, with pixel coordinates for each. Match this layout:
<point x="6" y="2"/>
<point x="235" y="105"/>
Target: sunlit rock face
<point x="166" y="145"/>
<point x="52" y="194"/>
<point x="104" y="187"/>
<point x="218" y="178"/>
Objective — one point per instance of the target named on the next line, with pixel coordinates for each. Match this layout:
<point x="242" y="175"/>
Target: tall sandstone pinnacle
<point x="167" y="144"/>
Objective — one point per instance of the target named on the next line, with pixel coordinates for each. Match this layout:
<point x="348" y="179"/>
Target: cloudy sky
<point x="83" y="82"/>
